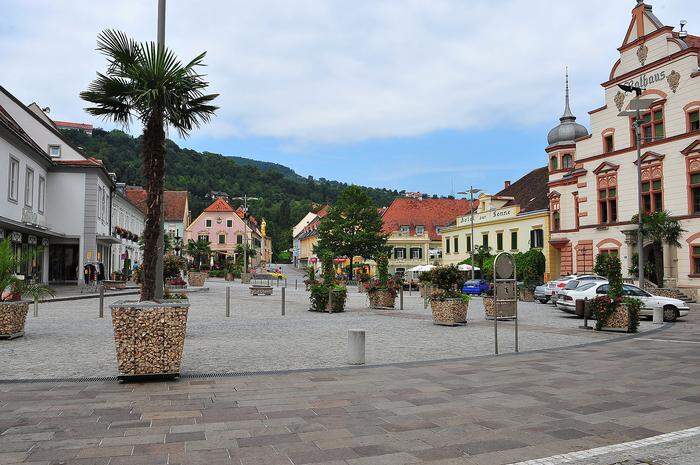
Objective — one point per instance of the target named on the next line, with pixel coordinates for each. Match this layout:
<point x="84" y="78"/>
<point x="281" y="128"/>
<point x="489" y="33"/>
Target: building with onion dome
<point x="593" y="174"/>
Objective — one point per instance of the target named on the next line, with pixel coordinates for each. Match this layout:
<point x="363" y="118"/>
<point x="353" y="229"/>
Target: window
<point x="611" y="252"/>
<point x="54" y="151"/>
<point x="29" y="188"/>
<point x="566" y="161"/>
<point x="609" y="143"/>
<point x="203" y="237"/>
<point x="41" y="198"/>
<point x="536" y="238"/>
<point x="694" y="120"/>
<point x="456" y="239"/>
<point x="554" y="163"/>
<point x="99" y="202"/>
<point x="514" y="240"/>
<point x="405" y="229"/>
<point x="652" y="195"/>
<point x="207" y="223"/>
<point x="222" y="238"/>
<point x="420" y="230"/>
<point x="556" y="221"/>
<point x="695" y="257"/>
<point x="602" y="289"/>
<point x="607" y="199"/>
<point x="416" y="253"/>
<point x="13" y="180"/>
<point x="229" y="223"/>
<point x="469" y="243"/>
<point x="695" y="192"/>
<point x="499" y="241"/>
<point x="485" y="239"/>
<point x="399" y="253"/>
<point x="652" y="127"/>
<point x="447" y="245"/>
<point x="239" y="239"/>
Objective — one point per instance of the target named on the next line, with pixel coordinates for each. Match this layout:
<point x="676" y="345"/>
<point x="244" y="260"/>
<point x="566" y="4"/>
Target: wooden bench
<point x="260" y="290"/>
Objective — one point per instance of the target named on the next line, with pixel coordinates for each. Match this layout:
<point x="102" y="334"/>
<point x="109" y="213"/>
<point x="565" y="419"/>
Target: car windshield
<point x="633" y="291"/>
<point x="572" y="284"/>
<point x="584" y="287"/>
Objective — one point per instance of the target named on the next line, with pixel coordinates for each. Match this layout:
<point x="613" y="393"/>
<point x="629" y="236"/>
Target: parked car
<point x="673" y="308"/>
<point x="476" y="287"/>
<point x="556" y="286"/>
<point x="541" y="294"/>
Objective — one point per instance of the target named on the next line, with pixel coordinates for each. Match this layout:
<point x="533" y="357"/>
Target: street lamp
<point x="245" y="199"/>
<point x="635" y="108"/>
<point x="472" y="190"/>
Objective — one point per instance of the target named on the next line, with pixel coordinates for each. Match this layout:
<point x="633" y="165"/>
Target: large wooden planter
<point x="619" y="320"/>
<point x="197" y="278"/>
<point x="490" y="310"/>
<point x="12" y="318"/>
<point x="449" y="312"/>
<point x="149" y="337"/>
<point x="381" y="299"/>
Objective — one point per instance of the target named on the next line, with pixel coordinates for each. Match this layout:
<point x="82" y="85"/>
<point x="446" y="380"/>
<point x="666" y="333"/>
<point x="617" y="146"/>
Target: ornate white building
<point x="593" y="176"/>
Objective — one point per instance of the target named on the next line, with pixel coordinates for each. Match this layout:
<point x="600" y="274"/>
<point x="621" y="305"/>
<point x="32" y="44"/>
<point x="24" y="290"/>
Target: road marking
<point x="598" y="451"/>
<point x="680" y="341"/>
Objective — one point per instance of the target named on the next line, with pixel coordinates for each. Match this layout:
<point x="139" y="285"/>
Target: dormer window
<point x="55" y="151"/>
<point x="420" y="230"/>
<point x="404" y="229"/>
<point x="566" y="160"/>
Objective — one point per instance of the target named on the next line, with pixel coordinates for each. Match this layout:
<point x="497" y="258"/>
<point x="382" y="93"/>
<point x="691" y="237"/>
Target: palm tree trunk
<point x="154" y="172"/>
<point x="659" y="263"/>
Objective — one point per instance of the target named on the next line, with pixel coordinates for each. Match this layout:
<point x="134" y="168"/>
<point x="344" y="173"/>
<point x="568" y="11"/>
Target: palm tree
<point x="660" y="228"/>
<point x="199" y="250"/>
<point x="149" y="82"/>
<point x="13" y="284"/>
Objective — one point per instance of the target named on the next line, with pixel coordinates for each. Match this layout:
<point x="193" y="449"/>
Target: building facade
<point x="128" y="223"/>
<point x="296" y="234"/>
<point x="516" y="219"/>
<point x="176" y="209"/>
<point x="593" y="191"/>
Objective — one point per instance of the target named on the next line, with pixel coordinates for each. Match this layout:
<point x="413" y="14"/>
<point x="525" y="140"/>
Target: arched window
<point x="554" y="161"/>
<point x="567" y="160"/>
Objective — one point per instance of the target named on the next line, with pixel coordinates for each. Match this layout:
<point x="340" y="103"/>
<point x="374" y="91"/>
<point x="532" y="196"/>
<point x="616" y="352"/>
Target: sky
<point x="430" y="96"/>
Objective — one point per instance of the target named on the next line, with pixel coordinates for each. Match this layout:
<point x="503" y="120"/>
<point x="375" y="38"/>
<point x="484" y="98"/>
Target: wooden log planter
<point x="12" y="318"/>
<point x="381" y="298"/>
<point x="197" y="278"/>
<point x="149" y="337"/>
<point x="449" y="312"/>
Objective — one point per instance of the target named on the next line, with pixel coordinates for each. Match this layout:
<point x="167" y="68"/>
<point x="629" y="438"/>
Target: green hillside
<point x="286" y="196"/>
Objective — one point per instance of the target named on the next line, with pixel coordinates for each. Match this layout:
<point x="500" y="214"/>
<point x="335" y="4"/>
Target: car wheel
<point x="670" y="313"/>
<point x="542" y="301"/>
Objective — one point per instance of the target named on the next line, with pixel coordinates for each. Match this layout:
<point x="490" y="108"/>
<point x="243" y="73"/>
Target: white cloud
<point x="336" y="71"/>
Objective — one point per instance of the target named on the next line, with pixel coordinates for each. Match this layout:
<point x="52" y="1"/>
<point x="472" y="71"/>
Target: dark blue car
<point x="475" y="287"/>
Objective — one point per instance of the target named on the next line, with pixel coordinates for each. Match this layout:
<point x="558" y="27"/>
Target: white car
<point x="673" y="308"/>
<point x="555" y="287"/>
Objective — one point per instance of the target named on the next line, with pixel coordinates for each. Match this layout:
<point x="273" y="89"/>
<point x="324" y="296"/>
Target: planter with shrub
<point x="613" y="311"/>
<point x="197" y="278"/>
<point x="327" y="296"/>
<point x="449" y="305"/>
<point x="382" y="290"/>
<point x="176" y="283"/>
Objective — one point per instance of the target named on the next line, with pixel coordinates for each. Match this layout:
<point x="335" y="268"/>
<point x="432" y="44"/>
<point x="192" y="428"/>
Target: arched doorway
<point x="654" y="264"/>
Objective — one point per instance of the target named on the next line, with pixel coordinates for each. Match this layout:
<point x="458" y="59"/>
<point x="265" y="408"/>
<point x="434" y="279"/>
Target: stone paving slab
<point x="490" y="410"/>
<point x="68" y="339"/>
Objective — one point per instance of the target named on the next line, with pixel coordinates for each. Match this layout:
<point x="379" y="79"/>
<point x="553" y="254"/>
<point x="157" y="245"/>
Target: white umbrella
<point x="421" y="268"/>
<point x="465" y="267"/>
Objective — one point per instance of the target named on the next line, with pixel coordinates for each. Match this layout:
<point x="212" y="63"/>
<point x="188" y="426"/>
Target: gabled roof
<point x="429" y="213"/>
<point x="175" y="202"/>
<point x="529" y="192"/>
<point x="605" y="167"/>
<point x="694" y="147"/>
<point x="219" y="205"/>
<point x="11" y="125"/>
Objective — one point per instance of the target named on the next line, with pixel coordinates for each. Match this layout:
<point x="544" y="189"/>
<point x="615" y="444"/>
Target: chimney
<point x="506" y="184"/>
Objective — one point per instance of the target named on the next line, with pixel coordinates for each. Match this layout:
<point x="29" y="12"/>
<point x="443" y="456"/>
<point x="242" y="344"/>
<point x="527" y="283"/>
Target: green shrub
<point x="173" y="265"/>
<point x="448" y="279"/>
<point x="319" y="298"/>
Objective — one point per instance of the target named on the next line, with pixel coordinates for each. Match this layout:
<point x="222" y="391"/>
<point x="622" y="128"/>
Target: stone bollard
<point x="658" y="316"/>
<point x="284" y="289"/>
<point x="36" y="307"/>
<point x="102" y="301"/>
<point x="356" y="346"/>
<point x="228" y="301"/>
<point x="401" y="298"/>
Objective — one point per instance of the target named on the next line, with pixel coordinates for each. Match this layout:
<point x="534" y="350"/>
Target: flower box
<point x="12" y="318"/>
<point x="197" y="278"/>
<point x="149" y="337"/>
<point x="381" y="298"/>
<point x="449" y="311"/>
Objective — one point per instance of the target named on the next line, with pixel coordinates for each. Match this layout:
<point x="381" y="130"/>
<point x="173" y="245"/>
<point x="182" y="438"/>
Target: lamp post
<point x="636" y="106"/>
<point x="245" y="199"/>
<point x="471" y="193"/>
<point x="160" y="246"/>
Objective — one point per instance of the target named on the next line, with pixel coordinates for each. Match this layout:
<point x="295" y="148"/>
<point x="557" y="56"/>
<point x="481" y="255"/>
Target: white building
<point x="128" y="223"/>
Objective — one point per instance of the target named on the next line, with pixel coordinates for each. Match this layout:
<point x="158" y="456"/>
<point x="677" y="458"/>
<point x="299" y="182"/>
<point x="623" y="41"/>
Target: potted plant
<point x="200" y="251"/>
<point x="362" y="279"/>
<point x="327" y="295"/>
<point x="382" y="290"/>
<point x="13" y="310"/>
<point x="614" y="312"/>
<point x="449" y="306"/>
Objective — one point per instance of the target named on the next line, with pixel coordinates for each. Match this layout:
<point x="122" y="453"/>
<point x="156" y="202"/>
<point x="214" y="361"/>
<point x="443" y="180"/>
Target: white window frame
<point x="29" y="187"/>
<point x="55" y="146"/>
<point x="207" y="222"/>
<point x="13" y="180"/>
<point x="420" y="230"/>
<point x="404" y="229"/>
<point x="41" y="197"/>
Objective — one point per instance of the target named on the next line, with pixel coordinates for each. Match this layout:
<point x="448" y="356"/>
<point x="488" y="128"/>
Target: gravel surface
<point x="69" y="340"/>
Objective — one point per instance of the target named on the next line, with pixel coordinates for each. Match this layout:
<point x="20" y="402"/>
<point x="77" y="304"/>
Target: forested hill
<point x="285" y="196"/>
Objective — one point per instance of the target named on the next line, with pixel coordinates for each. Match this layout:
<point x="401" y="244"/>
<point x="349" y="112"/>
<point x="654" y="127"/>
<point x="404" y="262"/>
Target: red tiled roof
<point x="175" y="202"/>
<point x="692" y="41"/>
<point x="91" y="161"/>
<point x="429" y="213"/>
<point x="219" y="205"/>
<point x="69" y="125"/>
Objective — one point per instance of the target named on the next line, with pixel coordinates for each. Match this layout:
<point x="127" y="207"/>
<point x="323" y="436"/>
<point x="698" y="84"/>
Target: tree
<point x="200" y="251"/>
<point x="149" y="82"/>
<point x="660" y="228"/>
<point x="352" y="227"/>
<point x="481" y="254"/>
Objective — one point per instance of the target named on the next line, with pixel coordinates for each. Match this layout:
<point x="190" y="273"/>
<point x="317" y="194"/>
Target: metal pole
<point x="495" y="310"/>
<point x="161" y="22"/>
<point x="160" y="246"/>
<point x="426" y="292"/>
<point x="330" y="300"/>
<point x="283" y="298"/>
<point x="471" y="210"/>
<point x="296" y="286"/>
<point x="640" y="236"/>
<point x="515" y="277"/>
<point x="102" y="301"/>
<point x="245" y="235"/>
<point x="401" y="298"/>
<point x="36" y="307"/>
<point x="228" y="301"/>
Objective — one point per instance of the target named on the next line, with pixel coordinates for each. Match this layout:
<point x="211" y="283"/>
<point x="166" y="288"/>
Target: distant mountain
<point x="285" y="196"/>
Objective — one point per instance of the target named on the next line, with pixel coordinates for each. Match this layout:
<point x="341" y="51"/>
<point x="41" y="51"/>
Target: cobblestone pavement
<point x="686" y="452"/>
<point x="488" y="410"/>
<point x="69" y="340"/>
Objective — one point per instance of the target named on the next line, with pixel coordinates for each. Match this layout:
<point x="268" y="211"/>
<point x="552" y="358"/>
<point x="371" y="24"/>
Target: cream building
<point x="593" y="177"/>
<point x="516" y="219"/>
